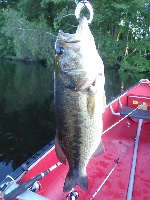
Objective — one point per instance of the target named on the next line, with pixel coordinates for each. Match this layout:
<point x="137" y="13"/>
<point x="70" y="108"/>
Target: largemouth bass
<point x="79" y="102"/>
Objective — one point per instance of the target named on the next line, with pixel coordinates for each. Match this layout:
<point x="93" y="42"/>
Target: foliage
<point x="6" y="44"/>
<point x="29" y="40"/>
<point x="121" y="30"/>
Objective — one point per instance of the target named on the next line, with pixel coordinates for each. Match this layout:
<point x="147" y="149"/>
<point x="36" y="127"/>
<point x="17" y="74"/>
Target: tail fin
<point x="70" y="183"/>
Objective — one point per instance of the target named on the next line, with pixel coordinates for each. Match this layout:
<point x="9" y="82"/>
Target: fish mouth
<point x="81" y="32"/>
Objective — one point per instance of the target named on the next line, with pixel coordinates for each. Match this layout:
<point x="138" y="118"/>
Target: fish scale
<point x="78" y="110"/>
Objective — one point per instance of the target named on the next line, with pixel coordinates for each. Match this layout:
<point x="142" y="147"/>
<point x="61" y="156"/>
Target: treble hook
<point x="81" y="4"/>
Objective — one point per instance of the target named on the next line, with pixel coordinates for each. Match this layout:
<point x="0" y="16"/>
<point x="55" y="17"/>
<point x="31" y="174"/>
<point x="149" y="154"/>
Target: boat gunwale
<point x="31" y="162"/>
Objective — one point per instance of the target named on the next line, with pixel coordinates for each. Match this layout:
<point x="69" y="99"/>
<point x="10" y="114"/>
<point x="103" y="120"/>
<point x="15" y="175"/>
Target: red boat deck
<point x="118" y="144"/>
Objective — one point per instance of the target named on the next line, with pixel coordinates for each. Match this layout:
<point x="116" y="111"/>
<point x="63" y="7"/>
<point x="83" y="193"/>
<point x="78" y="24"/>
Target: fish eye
<point x="59" y="50"/>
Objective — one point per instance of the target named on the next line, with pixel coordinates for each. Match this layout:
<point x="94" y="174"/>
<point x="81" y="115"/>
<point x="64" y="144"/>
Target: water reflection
<point x="116" y="83"/>
<point x="26" y="109"/>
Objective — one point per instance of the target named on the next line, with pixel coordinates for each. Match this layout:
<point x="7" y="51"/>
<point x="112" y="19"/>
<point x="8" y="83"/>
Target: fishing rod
<point x="22" y="188"/>
<point x="117" y="161"/>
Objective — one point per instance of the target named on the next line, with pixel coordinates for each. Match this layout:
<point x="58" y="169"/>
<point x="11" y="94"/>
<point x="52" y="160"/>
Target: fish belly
<point x="79" y="128"/>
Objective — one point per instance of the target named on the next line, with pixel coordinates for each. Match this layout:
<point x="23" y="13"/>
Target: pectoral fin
<point x="59" y="151"/>
<point x="91" y="101"/>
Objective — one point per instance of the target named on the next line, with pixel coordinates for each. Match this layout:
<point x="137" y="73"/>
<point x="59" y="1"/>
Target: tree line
<point x="28" y="30"/>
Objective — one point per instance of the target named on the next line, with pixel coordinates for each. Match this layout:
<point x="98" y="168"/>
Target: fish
<point x="79" y="98"/>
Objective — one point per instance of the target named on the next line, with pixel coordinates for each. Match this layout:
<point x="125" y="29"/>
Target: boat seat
<point x="139" y="113"/>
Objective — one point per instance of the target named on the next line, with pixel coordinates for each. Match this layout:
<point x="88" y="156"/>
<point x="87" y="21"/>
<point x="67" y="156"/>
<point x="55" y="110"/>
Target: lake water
<point x="26" y="109"/>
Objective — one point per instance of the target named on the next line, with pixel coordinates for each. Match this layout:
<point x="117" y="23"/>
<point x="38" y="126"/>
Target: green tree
<point x="121" y="30"/>
<point x="120" y="27"/>
<point x="33" y="41"/>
